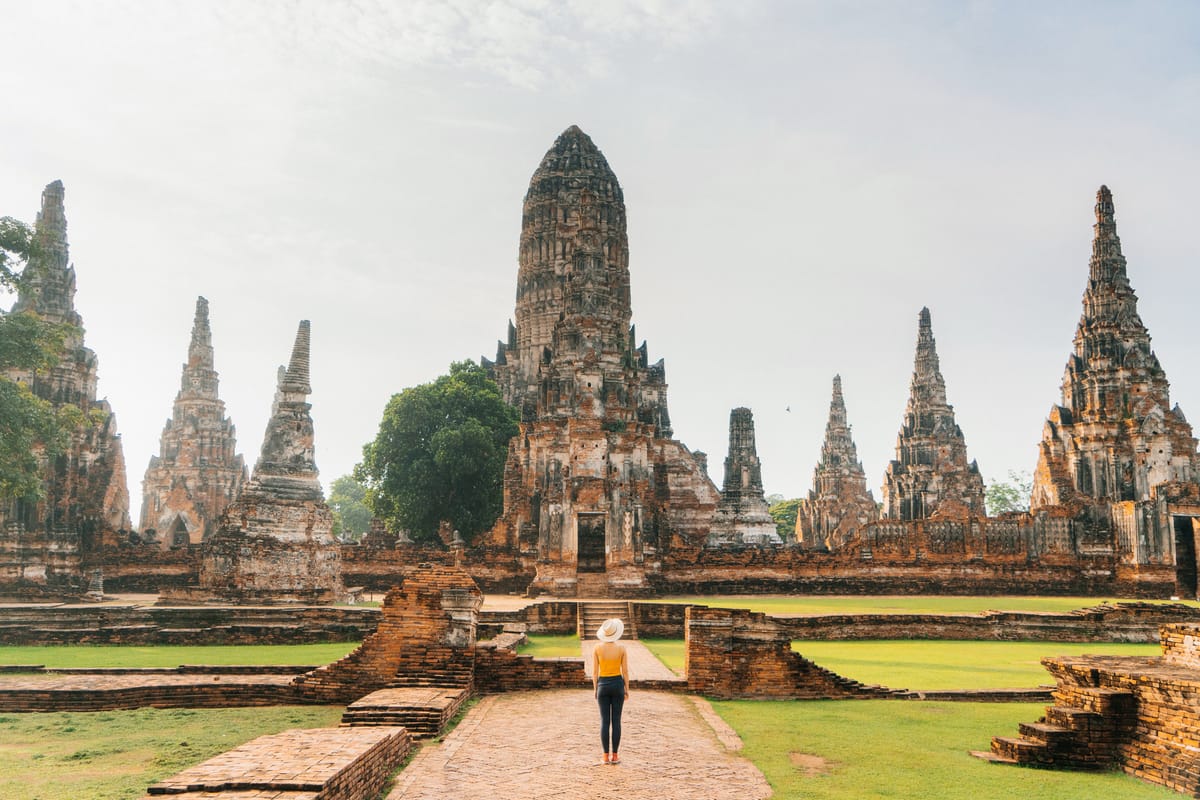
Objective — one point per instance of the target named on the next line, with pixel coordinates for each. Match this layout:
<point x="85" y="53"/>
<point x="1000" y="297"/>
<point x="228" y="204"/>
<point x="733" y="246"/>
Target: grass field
<point x="928" y="665"/>
<point x="896" y="604"/>
<point x="909" y="664"/>
<point x="115" y="755"/>
<point x="173" y="655"/>
<point x="849" y="750"/>
<point x="545" y="646"/>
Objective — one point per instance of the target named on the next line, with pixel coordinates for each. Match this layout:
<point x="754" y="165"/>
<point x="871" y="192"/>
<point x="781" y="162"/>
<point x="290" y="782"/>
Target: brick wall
<point x="426" y="636"/>
<point x="733" y="653"/>
<point x="148" y="625"/>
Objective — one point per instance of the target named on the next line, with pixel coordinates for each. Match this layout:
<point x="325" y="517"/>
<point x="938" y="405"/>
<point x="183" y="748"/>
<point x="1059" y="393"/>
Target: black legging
<point x="611" y="694"/>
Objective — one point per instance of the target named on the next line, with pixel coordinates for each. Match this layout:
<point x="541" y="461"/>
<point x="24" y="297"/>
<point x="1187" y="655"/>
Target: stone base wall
<point x="689" y="571"/>
<point x="205" y="693"/>
<point x="1122" y="622"/>
<point x="147" y="625"/>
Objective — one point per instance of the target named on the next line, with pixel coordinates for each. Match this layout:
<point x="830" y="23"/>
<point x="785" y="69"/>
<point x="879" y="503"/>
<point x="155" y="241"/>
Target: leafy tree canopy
<point x="784" y="514"/>
<point x="29" y="426"/>
<point x="348" y="501"/>
<point x="440" y="454"/>
<point x="1001" y="497"/>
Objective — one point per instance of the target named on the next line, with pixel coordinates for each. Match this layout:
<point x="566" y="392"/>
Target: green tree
<point x="784" y="514"/>
<point x="440" y="454"/>
<point x="30" y="427"/>
<point x="348" y="501"/>
<point x="1001" y="497"/>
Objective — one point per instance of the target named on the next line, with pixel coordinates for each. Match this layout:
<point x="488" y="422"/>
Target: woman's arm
<point x="625" y="670"/>
<point x="596" y="669"/>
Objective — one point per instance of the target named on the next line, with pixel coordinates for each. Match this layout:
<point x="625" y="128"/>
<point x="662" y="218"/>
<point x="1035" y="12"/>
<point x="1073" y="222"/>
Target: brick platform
<point x="424" y="711"/>
<point x="1141" y="715"/>
<point x="106" y="691"/>
<point x="316" y="764"/>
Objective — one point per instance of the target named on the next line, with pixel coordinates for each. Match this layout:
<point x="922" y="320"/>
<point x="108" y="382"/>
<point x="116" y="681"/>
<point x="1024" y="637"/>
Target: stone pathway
<point x="643" y="665"/>
<point x="543" y="745"/>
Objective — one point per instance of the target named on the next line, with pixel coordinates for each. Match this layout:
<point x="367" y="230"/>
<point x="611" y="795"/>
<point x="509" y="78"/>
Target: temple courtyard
<point x="540" y="743"/>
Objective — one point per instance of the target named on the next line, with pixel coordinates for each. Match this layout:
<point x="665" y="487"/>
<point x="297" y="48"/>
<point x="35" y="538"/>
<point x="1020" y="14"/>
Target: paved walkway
<point x="643" y="665"/>
<point x="544" y="745"/>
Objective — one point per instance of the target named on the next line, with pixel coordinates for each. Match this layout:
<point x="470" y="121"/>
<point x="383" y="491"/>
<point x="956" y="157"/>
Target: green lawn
<point x="174" y="655"/>
<point x="551" y="646"/>
<point x="927" y="665"/>
<point x="115" y="755"/>
<point x="855" y="749"/>
<point x="669" y="651"/>
<point x="910" y="664"/>
<point x="895" y="604"/>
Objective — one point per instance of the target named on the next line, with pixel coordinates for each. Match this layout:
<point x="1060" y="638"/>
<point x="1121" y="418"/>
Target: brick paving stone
<point x="546" y="744"/>
<point x="643" y="665"/>
<point x="325" y="762"/>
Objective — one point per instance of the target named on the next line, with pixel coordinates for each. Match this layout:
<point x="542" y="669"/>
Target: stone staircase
<point x="591" y="615"/>
<point x="1083" y="736"/>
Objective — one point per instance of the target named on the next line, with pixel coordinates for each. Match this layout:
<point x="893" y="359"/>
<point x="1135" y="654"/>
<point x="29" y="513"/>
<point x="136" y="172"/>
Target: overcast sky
<point x="801" y="178"/>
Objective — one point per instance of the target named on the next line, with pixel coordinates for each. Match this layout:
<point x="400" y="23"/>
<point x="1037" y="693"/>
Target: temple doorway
<point x="1186" y="530"/>
<point x="591" y="543"/>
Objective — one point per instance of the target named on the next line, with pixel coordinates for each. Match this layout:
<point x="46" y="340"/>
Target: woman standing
<point x="610" y="679"/>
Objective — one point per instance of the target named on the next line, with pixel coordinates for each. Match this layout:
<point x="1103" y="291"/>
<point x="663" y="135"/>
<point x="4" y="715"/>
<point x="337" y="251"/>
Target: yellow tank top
<point x="610" y="667"/>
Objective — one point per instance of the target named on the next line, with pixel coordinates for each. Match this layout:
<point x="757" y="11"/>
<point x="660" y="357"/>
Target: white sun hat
<point x="611" y="630"/>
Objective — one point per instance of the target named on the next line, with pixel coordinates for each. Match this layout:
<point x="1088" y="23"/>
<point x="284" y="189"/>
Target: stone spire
<point x="1115" y="436"/>
<point x="275" y="542"/>
<point x="86" y="499"/>
<point x="595" y="488"/>
<point x="573" y="282"/>
<point x="839" y="502"/>
<point x="287" y="462"/>
<point x="931" y="472"/>
<point x="49" y="288"/>
<point x="742" y="514"/>
<point x="197" y="473"/>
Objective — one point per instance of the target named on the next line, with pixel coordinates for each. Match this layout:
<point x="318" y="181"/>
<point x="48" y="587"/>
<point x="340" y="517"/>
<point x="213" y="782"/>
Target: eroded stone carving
<point x="839" y="504"/>
<point x="86" y="497"/>
<point x="742" y="515"/>
<point x="1115" y="448"/>
<point x="930" y="475"/>
<point x="275" y="542"/>
<point x="196" y="474"/>
<point x="595" y="488"/>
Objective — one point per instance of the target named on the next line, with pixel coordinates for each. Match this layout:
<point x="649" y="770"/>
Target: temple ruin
<point x="930" y="475"/>
<point x="1115" y="451"/>
<point x="197" y="472"/>
<point x="85" y="504"/>
<point x="742" y="515"/>
<point x="839" y="504"/>
<point x="595" y="489"/>
<point x="275" y="542"/>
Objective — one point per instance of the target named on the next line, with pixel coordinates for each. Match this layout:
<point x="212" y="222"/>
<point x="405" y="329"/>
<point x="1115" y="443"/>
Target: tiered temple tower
<point x="743" y="516"/>
<point x="595" y="488"/>
<point x="839" y="503"/>
<point x="1116" y="441"/>
<point x="86" y="498"/>
<point x="197" y="474"/>
<point x="931" y="473"/>
<point x="275" y="542"/>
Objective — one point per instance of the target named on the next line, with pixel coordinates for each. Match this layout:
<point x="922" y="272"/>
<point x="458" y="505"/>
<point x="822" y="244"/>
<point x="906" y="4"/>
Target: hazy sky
<point x="801" y="178"/>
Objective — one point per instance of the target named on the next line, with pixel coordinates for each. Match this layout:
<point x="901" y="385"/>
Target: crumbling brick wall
<point x="735" y="653"/>
<point x="426" y="636"/>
